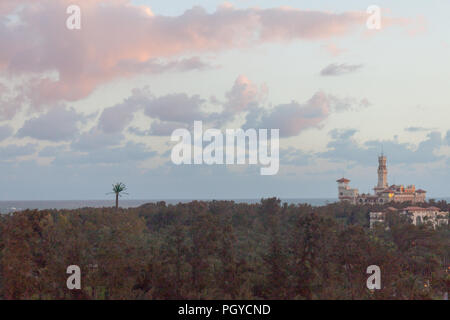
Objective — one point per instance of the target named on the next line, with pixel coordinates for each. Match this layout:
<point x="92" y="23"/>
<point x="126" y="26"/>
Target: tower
<point x="345" y="193"/>
<point x="382" y="173"/>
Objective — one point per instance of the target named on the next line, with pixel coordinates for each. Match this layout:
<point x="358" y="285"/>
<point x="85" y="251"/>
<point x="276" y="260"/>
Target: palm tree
<point x="118" y="189"/>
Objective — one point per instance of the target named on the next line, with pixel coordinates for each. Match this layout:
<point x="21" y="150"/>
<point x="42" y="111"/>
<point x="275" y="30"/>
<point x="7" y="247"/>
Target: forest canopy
<point x="221" y="250"/>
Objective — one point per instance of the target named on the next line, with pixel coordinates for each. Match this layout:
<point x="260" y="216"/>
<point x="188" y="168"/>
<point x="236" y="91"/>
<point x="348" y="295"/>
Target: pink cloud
<point x="290" y="24"/>
<point x="243" y="94"/>
<point x="292" y="118"/>
<point x="119" y="40"/>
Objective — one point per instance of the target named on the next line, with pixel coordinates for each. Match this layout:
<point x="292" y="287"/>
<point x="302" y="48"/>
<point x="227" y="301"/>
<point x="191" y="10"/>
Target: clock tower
<point x="382" y="174"/>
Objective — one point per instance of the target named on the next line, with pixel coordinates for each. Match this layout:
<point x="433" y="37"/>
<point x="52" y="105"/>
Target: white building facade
<point x="416" y="215"/>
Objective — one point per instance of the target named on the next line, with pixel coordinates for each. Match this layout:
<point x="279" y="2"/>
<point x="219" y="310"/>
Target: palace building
<point x="416" y="215"/>
<point x="383" y="193"/>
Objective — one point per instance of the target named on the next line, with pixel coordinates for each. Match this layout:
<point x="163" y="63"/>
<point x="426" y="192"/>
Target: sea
<point x="11" y="206"/>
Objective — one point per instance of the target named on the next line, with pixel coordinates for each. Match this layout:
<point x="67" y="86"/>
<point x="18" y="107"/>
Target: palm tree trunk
<point x="117" y="200"/>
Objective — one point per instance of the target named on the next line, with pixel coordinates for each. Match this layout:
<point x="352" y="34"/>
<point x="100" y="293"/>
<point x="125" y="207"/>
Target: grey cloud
<point x="12" y="151"/>
<point x="177" y="107"/>
<point x="138" y="132"/>
<point x="96" y="139"/>
<point x="344" y="147"/>
<point x="404" y="153"/>
<point x="340" y="69"/>
<point x="11" y="103"/>
<point x="171" y="111"/>
<point x="52" y="151"/>
<point x="166" y="128"/>
<point x="243" y="95"/>
<point x="291" y="118"/>
<point x="194" y="63"/>
<point x="342" y="134"/>
<point x="179" y="110"/>
<point x="159" y="128"/>
<point x="115" y="119"/>
<point x="5" y="132"/>
<point x="416" y="129"/>
<point x="347" y="103"/>
<point x="157" y="66"/>
<point x="296" y="157"/>
<point x="58" y="124"/>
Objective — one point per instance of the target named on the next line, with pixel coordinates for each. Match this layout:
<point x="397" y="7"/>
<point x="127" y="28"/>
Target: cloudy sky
<point x="81" y="109"/>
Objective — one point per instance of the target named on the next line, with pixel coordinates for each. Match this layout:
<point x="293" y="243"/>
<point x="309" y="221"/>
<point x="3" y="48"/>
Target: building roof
<point x="422" y="209"/>
<point x="414" y="209"/>
<point x="343" y="180"/>
<point x="421" y="191"/>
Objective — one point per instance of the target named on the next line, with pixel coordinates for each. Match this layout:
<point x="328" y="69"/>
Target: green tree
<point x="118" y="189"/>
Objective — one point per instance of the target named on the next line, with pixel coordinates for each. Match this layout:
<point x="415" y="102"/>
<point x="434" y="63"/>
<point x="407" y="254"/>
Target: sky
<point x="81" y="109"/>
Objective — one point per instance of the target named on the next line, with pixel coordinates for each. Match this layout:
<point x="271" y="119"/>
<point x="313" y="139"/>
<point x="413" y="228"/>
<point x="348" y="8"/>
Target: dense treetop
<point x="221" y="250"/>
